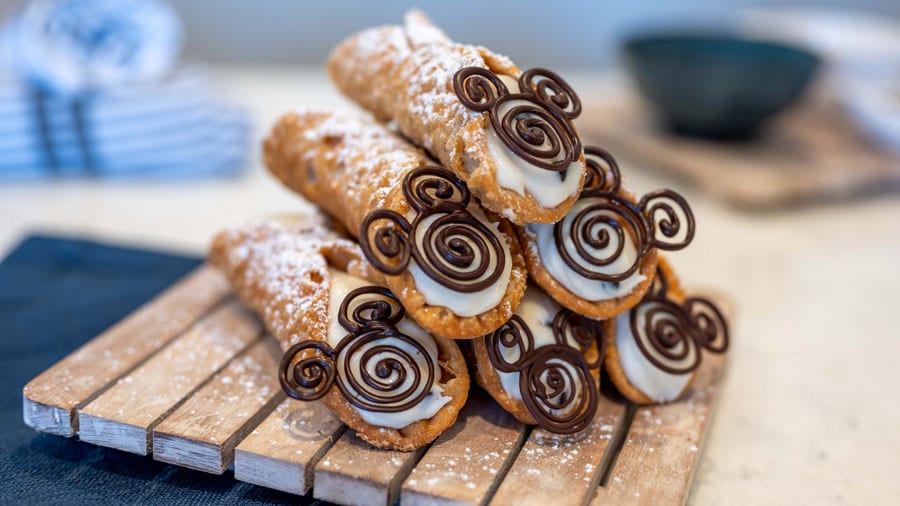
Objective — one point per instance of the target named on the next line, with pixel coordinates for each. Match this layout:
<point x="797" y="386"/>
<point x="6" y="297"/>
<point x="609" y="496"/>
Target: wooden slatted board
<point x="809" y="154"/>
<point x="191" y="379"/>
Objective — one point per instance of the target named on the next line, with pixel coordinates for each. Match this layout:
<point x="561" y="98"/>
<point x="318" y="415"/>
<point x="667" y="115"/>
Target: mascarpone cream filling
<point x="464" y="304"/>
<point x="586" y="288"/>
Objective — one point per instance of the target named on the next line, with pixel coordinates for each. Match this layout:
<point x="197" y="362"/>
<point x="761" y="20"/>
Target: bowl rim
<point x="632" y="45"/>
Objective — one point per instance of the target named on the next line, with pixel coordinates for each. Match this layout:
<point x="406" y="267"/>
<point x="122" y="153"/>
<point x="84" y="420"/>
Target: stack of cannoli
<point x="464" y="223"/>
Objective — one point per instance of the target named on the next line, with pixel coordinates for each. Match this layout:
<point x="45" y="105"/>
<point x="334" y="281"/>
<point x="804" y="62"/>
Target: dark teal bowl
<point x="717" y="86"/>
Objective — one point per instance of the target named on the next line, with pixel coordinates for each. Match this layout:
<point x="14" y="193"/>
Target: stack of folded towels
<point x="92" y="87"/>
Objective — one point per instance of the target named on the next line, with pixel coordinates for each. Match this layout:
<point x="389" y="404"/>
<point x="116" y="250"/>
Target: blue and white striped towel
<point x="90" y="91"/>
<point x="173" y="128"/>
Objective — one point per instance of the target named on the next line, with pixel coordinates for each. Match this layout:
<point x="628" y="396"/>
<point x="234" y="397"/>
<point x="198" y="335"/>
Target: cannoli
<point x="457" y="270"/>
<point x="654" y="349"/>
<point x="346" y="340"/>
<point x="600" y="259"/>
<point x="508" y="134"/>
<point x="543" y="365"/>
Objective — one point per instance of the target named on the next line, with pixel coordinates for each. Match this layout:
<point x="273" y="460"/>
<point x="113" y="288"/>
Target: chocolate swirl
<point x="375" y="366"/>
<point x="555" y="381"/>
<point x="514" y="338"/>
<point x="580" y="332"/>
<point x="535" y="123"/>
<point x="447" y="242"/>
<point x="311" y="377"/>
<point x="594" y="235"/>
<point x="561" y="393"/>
<point x="671" y="335"/>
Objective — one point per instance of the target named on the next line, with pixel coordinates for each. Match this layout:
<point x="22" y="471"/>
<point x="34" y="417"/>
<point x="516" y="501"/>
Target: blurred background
<point x="566" y="34"/>
<point x="138" y="122"/>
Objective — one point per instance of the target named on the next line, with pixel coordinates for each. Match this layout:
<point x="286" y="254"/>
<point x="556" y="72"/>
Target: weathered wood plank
<point x="281" y="452"/>
<point x="356" y="473"/>
<point x="551" y="470"/>
<point x="466" y="463"/>
<point x="203" y="431"/>
<point x="50" y="400"/>
<point x="124" y="415"/>
<point x="659" y="457"/>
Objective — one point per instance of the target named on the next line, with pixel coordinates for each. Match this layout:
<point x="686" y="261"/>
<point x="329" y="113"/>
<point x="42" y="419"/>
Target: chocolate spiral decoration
<point x="561" y="393"/>
<point x="447" y="242"/>
<point x="555" y="381"/>
<point x="671" y="335"/>
<point x="513" y="336"/>
<point x="569" y="327"/>
<point x="676" y="214"/>
<point x="596" y="232"/>
<point x="535" y="123"/>
<point x="312" y="376"/>
<point x="369" y="367"/>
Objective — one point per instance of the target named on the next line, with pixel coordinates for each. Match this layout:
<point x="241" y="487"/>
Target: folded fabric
<point x="93" y="89"/>
<point x="174" y="128"/>
<point x="72" y="46"/>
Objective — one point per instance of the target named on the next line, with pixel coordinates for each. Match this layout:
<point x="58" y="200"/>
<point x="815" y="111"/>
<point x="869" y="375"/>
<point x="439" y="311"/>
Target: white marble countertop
<point x="806" y="415"/>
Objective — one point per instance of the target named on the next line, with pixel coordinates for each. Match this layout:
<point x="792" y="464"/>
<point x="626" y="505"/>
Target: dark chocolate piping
<point x="371" y="323"/>
<point x="547" y="372"/>
<point x="535" y="123"/>
<point x="675" y="333"/>
<point x="623" y="220"/>
<point x="456" y="249"/>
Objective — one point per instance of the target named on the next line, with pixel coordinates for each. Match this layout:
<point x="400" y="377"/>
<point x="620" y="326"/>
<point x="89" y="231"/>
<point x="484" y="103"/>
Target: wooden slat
<point x="355" y="473"/>
<point x="659" y="457"/>
<point x="203" y="431"/>
<point x="51" y="399"/>
<point x="466" y="463"/>
<point x="548" y="472"/>
<point x="281" y="452"/>
<point x="124" y="415"/>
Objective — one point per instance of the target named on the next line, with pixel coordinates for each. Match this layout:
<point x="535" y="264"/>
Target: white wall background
<point x="549" y="33"/>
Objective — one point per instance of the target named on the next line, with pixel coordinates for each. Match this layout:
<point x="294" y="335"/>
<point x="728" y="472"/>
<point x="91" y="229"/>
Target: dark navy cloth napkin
<point x="56" y="294"/>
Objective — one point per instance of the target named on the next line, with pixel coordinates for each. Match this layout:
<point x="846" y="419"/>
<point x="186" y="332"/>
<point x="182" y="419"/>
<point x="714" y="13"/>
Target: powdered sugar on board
<point x="465" y="463"/>
<point x="51" y="398"/>
<point x="281" y="452"/>
<point x="553" y="469"/>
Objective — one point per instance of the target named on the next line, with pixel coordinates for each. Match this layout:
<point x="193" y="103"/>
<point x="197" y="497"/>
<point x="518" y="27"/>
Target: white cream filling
<point x="586" y="288"/>
<point x="517" y="175"/>
<point x="341" y="285"/>
<point x="464" y="304"/>
<point x="658" y="385"/>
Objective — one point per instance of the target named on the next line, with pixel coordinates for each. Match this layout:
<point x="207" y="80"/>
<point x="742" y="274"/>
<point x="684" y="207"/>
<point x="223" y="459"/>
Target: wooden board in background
<point x="811" y="153"/>
<point x="239" y="414"/>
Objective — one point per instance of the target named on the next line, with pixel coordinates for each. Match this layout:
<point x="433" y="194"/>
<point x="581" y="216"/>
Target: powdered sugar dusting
<point x="348" y="141"/>
<point x="279" y="271"/>
<point x="412" y="82"/>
